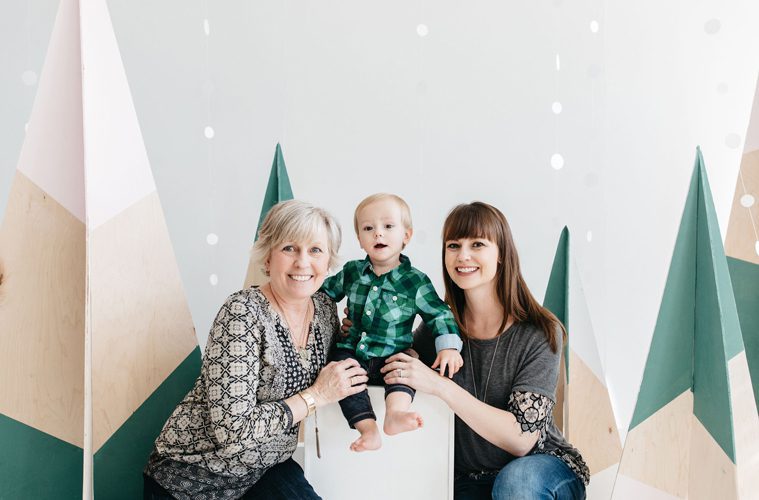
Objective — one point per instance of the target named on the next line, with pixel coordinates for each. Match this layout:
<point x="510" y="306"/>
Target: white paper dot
<point x="29" y="77"/>
<point x="722" y="88"/>
<point x="589" y="236"/>
<point x="558" y="63"/>
<point x="422" y="30"/>
<point x="208" y="132"/>
<point x="557" y="161"/>
<point x="712" y="26"/>
<point x="206" y="27"/>
<point x="756" y="247"/>
<point x="212" y="239"/>
<point x="556" y="107"/>
<point x="26" y="127"/>
<point x="213" y="279"/>
<point x="594" y="26"/>
<point x="733" y="141"/>
<point x="747" y="200"/>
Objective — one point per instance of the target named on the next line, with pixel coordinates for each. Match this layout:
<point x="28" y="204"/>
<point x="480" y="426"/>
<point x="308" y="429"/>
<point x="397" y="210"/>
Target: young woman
<point x="506" y="444"/>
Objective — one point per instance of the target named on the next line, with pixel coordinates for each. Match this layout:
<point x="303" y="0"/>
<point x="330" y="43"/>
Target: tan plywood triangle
<point x="752" y="134"/>
<point x="142" y="328"/>
<point x="712" y="474"/>
<point x="669" y="430"/>
<point x="42" y="271"/>
<point x="743" y="227"/>
<point x="592" y="428"/>
<point x="746" y="427"/>
<point x="97" y="339"/>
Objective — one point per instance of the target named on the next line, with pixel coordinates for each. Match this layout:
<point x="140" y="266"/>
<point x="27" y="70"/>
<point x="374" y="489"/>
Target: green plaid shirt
<point x="383" y="308"/>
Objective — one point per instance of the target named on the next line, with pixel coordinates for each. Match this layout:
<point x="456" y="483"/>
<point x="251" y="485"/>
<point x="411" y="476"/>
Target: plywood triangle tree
<point x="742" y="245"/>
<point x="583" y="410"/>
<point x="97" y="344"/>
<point x="278" y="189"/>
<point x="695" y="431"/>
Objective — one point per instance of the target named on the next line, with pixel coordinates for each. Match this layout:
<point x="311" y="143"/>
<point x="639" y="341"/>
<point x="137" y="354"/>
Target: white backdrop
<point x="441" y="102"/>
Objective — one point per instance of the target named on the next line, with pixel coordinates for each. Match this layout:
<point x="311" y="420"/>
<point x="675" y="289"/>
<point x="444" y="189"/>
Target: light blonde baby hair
<point x="405" y="210"/>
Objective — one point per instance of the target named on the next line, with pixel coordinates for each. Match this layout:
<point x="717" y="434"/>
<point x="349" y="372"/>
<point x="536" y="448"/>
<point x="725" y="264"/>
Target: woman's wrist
<point x="318" y="399"/>
<point x="442" y="387"/>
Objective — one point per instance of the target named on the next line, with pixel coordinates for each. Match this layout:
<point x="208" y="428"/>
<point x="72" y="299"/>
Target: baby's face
<point x="381" y="233"/>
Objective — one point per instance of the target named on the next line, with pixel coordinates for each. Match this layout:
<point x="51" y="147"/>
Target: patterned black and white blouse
<point x="234" y="424"/>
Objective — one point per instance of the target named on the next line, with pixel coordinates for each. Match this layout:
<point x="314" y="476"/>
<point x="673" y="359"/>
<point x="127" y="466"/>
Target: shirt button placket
<point x="370" y="310"/>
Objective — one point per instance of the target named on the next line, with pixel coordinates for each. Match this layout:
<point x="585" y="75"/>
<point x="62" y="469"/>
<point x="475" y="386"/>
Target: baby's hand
<point x="448" y="358"/>
<point x="346" y="325"/>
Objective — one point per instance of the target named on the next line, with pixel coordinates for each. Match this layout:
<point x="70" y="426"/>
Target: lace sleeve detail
<point x="532" y="411"/>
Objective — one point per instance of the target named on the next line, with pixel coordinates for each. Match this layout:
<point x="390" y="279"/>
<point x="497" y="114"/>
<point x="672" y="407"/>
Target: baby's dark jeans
<point x="358" y="407"/>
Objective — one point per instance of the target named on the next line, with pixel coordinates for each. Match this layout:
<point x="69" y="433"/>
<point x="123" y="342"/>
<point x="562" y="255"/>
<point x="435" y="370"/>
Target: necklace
<point x="301" y="341"/>
<point x="490" y="370"/>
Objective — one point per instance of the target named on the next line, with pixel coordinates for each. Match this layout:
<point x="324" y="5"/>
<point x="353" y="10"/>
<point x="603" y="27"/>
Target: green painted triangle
<point x="697" y="331"/>
<point x="669" y="366"/>
<point x="118" y="464"/>
<point x="278" y="188"/>
<point x="718" y="333"/>
<point x="731" y="330"/>
<point x="34" y="464"/>
<point x="556" y="298"/>
<point x="745" y="278"/>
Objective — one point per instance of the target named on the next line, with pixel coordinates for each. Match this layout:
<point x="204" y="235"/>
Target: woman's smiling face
<point x="298" y="269"/>
<point x="471" y="262"/>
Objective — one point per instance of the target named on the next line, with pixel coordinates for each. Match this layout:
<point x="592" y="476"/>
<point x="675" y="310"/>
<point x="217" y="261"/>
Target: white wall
<point x="362" y="103"/>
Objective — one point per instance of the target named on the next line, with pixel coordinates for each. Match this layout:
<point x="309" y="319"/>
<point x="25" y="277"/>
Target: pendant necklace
<point x="303" y="337"/>
<point x="490" y="370"/>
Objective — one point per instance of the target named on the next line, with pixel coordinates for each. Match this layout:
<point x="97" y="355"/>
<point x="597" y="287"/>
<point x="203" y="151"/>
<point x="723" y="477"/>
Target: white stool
<point x="413" y="465"/>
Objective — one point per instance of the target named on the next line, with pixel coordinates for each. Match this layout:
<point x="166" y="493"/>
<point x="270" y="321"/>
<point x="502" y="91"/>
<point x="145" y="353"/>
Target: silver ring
<point x="400" y="372"/>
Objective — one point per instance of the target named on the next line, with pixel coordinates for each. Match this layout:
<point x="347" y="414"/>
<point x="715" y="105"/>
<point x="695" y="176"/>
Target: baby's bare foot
<point x="402" y="421"/>
<point x="369" y="440"/>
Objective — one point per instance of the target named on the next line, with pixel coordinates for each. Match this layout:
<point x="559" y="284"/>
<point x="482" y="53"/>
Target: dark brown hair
<point x="480" y="220"/>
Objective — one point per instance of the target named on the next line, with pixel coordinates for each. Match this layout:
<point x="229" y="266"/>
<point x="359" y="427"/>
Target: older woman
<point x="506" y="443"/>
<point x="234" y="433"/>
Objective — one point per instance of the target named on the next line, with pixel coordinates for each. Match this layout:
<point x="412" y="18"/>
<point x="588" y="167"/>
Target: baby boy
<point x="384" y="296"/>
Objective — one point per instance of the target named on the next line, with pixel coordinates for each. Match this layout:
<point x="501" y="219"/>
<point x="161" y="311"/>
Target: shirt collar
<point x="394" y="274"/>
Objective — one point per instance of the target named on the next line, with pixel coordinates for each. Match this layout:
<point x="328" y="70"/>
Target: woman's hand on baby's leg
<point x="448" y="358"/>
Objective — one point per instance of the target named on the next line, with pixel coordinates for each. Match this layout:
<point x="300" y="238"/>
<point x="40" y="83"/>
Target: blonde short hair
<point x="405" y="210"/>
<point x="297" y="221"/>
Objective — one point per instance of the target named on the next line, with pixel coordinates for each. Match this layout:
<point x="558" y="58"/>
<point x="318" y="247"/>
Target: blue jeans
<point x="284" y="481"/>
<point x="534" y="477"/>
